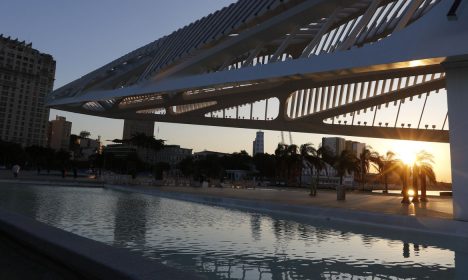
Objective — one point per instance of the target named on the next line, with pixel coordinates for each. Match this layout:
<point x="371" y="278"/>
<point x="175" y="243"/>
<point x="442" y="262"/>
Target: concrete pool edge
<point x="425" y="225"/>
<point x="86" y="257"/>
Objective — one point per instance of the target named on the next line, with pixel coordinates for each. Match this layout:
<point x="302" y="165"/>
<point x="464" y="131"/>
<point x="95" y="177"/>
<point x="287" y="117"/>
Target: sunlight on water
<point x="228" y="244"/>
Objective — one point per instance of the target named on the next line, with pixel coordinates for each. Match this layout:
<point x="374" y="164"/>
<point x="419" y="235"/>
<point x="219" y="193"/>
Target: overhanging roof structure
<point x="291" y="65"/>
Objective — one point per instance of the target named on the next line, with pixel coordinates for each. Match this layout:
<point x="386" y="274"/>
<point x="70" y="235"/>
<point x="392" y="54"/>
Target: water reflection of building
<point x="256" y="226"/>
<point x="323" y="268"/>
<point x="130" y="221"/>
<point x="130" y="225"/>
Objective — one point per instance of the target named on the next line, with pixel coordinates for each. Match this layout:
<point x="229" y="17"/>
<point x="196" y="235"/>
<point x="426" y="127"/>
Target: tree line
<point x="292" y="157"/>
<point x="287" y="162"/>
<point x="31" y="157"/>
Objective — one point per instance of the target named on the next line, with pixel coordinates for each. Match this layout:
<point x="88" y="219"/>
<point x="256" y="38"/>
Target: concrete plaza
<point x="437" y="207"/>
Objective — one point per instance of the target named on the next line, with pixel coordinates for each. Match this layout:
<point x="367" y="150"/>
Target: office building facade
<point x="132" y="128"/>
<point x="259" y="143"/>
<point x="355" y="147"/>
<point x="59" y="134"/>
<point x="26" y="77"/>
<point x="335" y="145"/>
<point x="172" y="154"/>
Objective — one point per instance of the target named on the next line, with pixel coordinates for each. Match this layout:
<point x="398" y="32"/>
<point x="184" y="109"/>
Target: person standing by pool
<point x="16" y="169"/>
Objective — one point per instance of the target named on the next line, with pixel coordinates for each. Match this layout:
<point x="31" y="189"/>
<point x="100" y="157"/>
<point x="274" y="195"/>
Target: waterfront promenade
<point x="54" y="177"/>
<point x="437" y="207"/>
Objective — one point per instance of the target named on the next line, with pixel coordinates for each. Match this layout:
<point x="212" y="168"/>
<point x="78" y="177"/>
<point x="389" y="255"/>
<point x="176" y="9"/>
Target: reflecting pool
<point x="222" y="243"/>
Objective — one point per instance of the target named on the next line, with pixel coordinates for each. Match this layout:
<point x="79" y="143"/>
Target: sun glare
<point x="407" y="158"/>
<point x="406" y="151"/>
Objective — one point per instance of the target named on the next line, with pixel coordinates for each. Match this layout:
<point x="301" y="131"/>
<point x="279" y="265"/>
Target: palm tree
<point x="306" y="152"/>
<point x="365" y="159"/>
<point x="386" y="165"/>
<point x="364" y="164"/>
<point x="327" y="155"/>
<point x="403" y="170"/>
<point x="312" y="157"/>
<point x="324" y="158"/>
<point x="281" y="155"/>
<point x="292" y="158"/>
<point x="346" y="162"/>
<point x="415" y="173"/>
<point x="288" y="158"/>
<point x="425" y="161"/>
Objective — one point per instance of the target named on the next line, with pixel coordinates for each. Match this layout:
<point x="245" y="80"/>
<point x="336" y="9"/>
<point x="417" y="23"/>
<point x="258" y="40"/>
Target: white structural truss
<point x="369" y="68"/>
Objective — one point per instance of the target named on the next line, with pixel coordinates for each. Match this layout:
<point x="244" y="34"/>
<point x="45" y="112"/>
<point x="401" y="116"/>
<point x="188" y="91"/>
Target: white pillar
<point x="457" y="97"/>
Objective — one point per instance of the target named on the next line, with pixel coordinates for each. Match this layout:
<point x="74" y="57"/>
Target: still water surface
<point x="222" y="243"/>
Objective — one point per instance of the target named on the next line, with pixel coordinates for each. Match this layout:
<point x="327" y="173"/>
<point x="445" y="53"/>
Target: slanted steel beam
<point x="366" y="17"/>
<point x="408" y="14"/>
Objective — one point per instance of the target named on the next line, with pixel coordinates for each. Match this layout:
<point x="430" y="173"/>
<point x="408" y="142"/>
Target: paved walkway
<point x="54" y="177"/>
<point x="437" y="207"/>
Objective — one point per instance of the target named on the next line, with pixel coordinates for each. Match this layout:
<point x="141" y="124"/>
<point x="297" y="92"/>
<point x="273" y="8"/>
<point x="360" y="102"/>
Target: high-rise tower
<point x="259" y="143"/>
<point x="26" y="77"/>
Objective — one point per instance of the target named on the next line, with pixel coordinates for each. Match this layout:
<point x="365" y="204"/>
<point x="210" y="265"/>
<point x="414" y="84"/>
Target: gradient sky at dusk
<point x="84" y="35"/>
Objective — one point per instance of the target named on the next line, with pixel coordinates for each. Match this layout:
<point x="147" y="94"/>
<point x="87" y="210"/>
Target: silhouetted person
<point x="63" y="172"/>
<point x="38" y="170"/>
<point x="15" y="169"/>
<point x="75" y="173"/>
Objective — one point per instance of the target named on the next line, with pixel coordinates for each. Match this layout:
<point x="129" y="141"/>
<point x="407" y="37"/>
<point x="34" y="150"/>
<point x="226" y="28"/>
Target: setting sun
<point x="407" y="157"/>
<point x="407" y="150"/>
